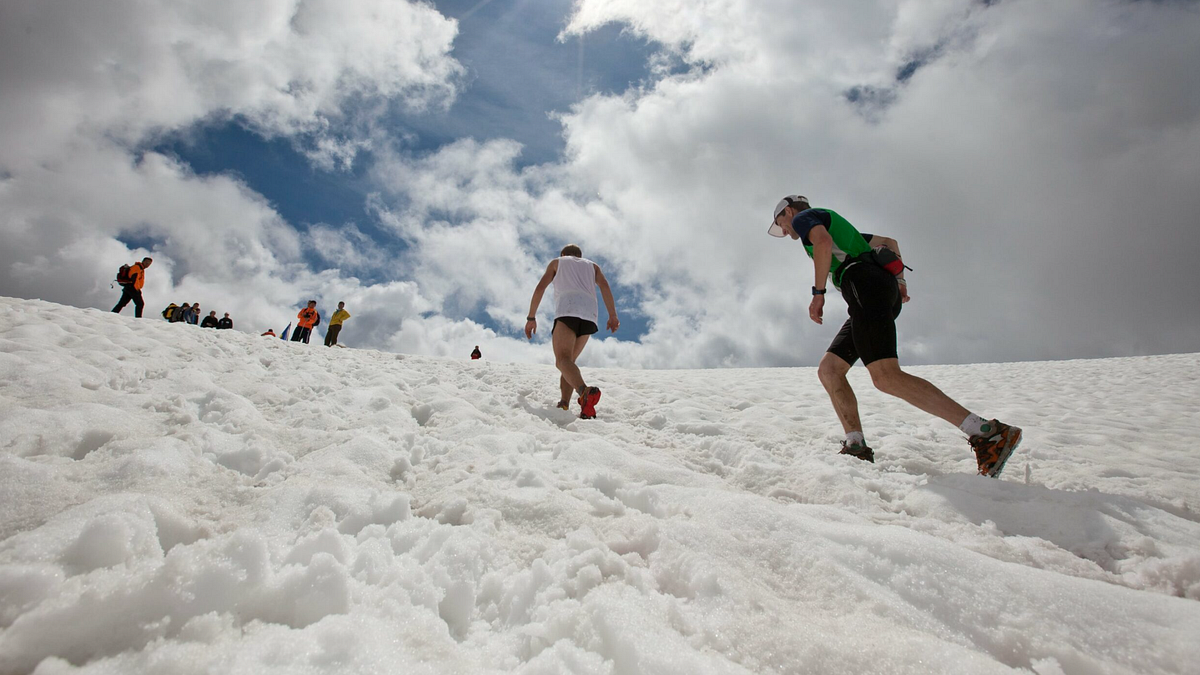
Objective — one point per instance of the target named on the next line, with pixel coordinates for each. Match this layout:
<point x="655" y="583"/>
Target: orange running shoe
<point x="994" y="446"/>
<point x="564" y="405"/>
<point x="588" y="403"/>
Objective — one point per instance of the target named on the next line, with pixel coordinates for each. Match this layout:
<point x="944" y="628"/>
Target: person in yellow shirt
<point x="335" y="324"/>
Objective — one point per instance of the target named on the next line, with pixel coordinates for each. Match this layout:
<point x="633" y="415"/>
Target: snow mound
<point x="180" y="500"/>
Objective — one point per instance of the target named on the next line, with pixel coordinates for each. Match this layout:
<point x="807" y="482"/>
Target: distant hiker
<point x="476" y="355"/>
<point x="210" y="321"/>
<point x="169" y="311"/>
<point x="192" y="315"/>
<point x="308" y="319"/>
<point x="131" y="278"/>
<point x="870" y="274"/>
<point x="180" y="313"/>
<point x="335" y="324"/>
<point x="575" y="279"/>
<point x="225" y="323"/>
<point x="270" y="333"/>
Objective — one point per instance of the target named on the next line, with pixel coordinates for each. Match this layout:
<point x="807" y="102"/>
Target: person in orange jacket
<point x="131" y="287"/>
<point x="308" y="318"/>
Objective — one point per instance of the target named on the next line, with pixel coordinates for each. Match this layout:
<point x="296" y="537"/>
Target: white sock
<point x="973" y="425"/>
<point x="855" y="437"/>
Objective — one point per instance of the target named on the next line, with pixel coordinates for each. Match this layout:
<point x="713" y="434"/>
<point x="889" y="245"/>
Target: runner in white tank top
<point x="576" y="313"/>
<point x="575" y="289"/>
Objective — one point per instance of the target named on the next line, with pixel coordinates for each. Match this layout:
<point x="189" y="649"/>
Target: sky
<point x="183" y="500"/>
<point x="422" y="162"/>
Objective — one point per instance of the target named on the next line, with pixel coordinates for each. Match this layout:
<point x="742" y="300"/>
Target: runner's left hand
<point x="613" y="324"/>
<point x="816" y="308"/>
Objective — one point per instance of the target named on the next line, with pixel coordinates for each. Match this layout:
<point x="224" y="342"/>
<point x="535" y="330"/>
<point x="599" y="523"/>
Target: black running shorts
<point x="578" y="326"/>
<point x="873" y="298"/>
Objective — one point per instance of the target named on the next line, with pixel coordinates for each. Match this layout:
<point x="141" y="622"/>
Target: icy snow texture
<point x="176" y="500"/>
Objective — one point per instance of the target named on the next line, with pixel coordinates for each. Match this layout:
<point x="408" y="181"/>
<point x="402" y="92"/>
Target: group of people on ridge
<point x="186" y="313"/>
<point x="133" y="277"/>
<point x="869" y="272"/>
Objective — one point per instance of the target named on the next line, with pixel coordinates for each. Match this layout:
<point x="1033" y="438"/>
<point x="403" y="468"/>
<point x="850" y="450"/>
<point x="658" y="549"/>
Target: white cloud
<point x="1038" y="168"/>
<point x="1010" y="166"/>
<point x="85" y="86"/>
<point x="1035" y="171"/>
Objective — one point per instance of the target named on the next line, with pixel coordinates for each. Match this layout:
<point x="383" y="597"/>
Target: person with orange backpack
<point x="308" y="319"/>
<point x="131" y="278"/>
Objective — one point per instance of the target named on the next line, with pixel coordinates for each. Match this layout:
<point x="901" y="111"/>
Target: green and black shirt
<point x="848" y="243"/>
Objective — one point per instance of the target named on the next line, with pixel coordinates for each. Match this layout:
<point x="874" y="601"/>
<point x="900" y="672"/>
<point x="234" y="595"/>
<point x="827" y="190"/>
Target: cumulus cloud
<point x="87" y="88"/>
<point x="1033" y="167"/>
<point x="1036" y="163"/>
<point x="1011" y="148"/>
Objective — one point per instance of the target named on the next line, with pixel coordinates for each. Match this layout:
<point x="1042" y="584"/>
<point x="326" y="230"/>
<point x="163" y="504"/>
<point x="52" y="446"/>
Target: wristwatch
<point x="818" y="291"/>
<point x="530" y="318"/>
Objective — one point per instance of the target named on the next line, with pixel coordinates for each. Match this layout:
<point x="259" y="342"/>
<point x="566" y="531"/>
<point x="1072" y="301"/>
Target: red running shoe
<point x="588" y="403"/>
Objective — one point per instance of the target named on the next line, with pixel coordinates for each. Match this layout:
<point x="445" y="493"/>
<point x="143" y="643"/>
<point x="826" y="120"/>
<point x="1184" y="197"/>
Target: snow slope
<point x="180" y="500"/>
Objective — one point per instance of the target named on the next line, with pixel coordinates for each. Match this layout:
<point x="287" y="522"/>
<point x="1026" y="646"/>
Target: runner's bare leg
<point x="563" y="385"/>
<point x="889" y="379"/>
<point x="832" y="373"/>
<point x="564" y="342"/>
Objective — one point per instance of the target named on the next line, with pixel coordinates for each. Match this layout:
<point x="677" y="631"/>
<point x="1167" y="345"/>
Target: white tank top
<point x="575" y="289"/>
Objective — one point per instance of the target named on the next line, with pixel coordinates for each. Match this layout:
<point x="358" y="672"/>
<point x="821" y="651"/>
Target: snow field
<point x="179" y="500"/>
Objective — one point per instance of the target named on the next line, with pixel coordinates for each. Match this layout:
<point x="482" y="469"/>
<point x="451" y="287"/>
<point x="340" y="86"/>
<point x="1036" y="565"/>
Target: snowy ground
<point x="179" y="500"/>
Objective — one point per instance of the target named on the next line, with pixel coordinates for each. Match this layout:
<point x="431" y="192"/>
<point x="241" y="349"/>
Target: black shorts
<point x="873" y="299"/>
<point x="578" y="326"/>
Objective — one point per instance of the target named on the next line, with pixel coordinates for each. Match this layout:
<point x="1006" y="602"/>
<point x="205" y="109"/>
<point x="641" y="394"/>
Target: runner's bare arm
<point x="605" y="292"/>
<point x="543" y="284"/>
<point x="822" y="245"/>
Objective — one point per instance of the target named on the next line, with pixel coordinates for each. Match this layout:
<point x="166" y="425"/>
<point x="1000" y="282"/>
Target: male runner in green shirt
<point x="873" y="285"/>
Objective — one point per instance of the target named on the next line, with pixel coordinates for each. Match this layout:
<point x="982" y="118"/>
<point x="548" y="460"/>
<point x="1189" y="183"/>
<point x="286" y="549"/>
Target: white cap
<point x="790" y="200"/>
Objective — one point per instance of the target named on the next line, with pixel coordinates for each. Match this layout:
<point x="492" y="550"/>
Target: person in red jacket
<point x="476" y="355"/>
<point x="308" y="318"/>
<point x="132" y="288"/>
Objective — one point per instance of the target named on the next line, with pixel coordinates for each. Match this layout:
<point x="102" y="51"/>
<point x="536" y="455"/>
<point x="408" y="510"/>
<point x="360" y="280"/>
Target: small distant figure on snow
<point x="308" y="318"/>
<point x="169" y="311"/>
<point x="869" y="272"/>
<point x="192" y="316"/>
<point x="225" y="323"/>
<point x="335" y="324"/>
<point x="270" y="333"/>
<point x="131" y="278"/>
<point x="210" y="321"/>
<point x="476" y="355"/>
<point x="576" y="312"/>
